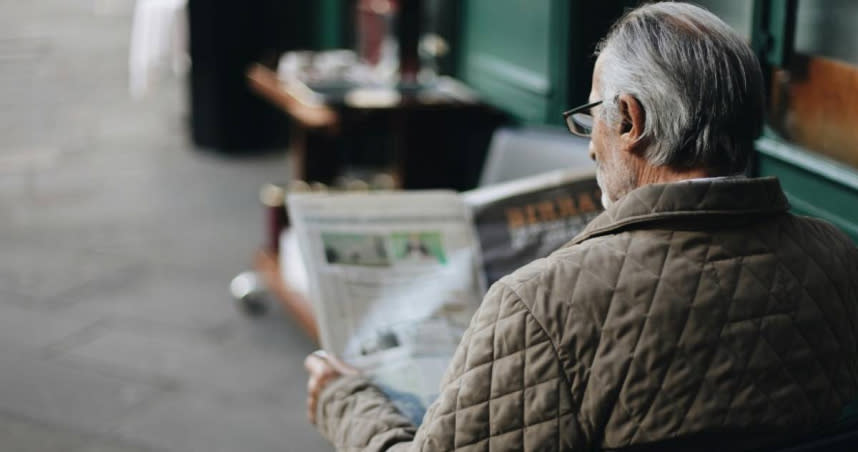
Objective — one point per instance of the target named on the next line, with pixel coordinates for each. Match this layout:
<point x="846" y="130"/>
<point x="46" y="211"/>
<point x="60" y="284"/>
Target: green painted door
<point x="512" y="52"/>
<point x="532" y="58"/>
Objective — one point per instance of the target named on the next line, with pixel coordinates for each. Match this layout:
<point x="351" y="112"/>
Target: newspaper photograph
<point x="393" y="278"/>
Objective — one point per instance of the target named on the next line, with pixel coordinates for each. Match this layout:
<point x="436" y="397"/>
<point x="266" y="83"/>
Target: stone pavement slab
<point x="118" y="239"/>
<point x="188" y="360"/>
<point x="221" y="424"/>
<point x="39" y="329"/>
<point x="22" y="435"/>
<point x="74" y="397"/>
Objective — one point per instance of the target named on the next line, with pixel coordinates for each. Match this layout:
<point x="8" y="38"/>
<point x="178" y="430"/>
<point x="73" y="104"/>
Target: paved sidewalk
<point x="118" y="241"/>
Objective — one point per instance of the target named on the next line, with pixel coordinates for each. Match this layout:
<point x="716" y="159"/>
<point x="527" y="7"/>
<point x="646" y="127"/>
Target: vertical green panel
<point x="330" y="15"/>
<point x="513" y="52"/>
<point x="827" y="28"/>
<point x="814" y="185"/>
<point x="774" y="30"/>
<point x="559" y="60"/>
<point x="589" y="23"/>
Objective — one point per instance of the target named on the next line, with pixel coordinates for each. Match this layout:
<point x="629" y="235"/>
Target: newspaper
<point x="520" y="221"/>
<point x="393" y="280"/>
<point x="395" y="277"/>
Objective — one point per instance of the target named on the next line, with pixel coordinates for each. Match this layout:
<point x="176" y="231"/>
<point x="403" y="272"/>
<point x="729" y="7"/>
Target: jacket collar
<point x="734" y="197"/>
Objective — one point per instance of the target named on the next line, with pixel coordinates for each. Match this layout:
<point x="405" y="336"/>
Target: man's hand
<point x="322" y="368"/>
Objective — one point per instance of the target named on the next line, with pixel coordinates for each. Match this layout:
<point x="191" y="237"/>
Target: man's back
<point x="700" y="308"/>
<point x="688" y="316"/>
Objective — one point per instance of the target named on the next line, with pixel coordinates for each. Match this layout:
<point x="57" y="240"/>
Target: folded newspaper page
<point x="520" y="221"/>
<point x="393" y="278"/>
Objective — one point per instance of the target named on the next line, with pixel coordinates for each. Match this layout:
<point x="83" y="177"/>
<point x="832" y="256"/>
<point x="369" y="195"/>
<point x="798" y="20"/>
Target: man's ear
<point x="633" y="120"/>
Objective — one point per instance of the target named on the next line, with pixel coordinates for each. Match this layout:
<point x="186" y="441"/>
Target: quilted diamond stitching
<point x="831" y="283"/>
<point x="651" y="399"/>
<point x="732" y="293"/>
<point x="755" y="320"/>
<point x="614" y="397"/>
<point x="806" y="293"/>
<point x="845" y="299"/>
<point x="746" y="374"/>
<point x="522" y="429"/>
<point x="792" y="377"/>
<point x="815" y="357"/>
<point x="743" y="372"/>
<point x="661" y="282"/>
<point x="720" y="335"/>
<point x="494" y="323"/>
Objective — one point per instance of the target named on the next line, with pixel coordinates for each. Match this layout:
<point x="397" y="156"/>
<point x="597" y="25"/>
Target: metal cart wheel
<point x="249" y="294"/>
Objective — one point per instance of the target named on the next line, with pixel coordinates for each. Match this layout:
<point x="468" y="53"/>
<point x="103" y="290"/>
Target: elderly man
<point x="695" y="313"/>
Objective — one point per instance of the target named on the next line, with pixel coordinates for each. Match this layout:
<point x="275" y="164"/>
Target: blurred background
<point x="147" y="300"/>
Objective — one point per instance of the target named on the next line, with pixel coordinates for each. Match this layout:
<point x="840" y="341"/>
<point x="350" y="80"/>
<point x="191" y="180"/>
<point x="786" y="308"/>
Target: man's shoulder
<point x="574" y="268"/>
<point x="826" y="245"/>
<point x="821" y="230"/>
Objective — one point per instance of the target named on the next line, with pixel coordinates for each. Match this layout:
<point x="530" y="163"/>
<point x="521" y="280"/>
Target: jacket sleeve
<point x="505" y="389"/>
<point x="354" y="415"/>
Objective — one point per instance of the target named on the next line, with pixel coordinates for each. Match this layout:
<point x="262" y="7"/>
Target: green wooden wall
<point x="511" y="51"/>
<point x="532" y="58"/>
<point x="815" y="185"/>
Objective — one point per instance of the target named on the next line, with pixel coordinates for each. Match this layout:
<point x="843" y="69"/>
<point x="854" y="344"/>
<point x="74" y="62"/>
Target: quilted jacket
<point x="697" y="315"/>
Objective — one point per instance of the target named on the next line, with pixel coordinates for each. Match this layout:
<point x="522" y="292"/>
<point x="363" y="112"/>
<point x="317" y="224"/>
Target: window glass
<point x="827" y="28"/>
<point x="814" y="100"/>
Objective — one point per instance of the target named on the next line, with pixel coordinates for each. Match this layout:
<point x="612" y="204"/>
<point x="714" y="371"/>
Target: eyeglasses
<point x="579" y="120"/>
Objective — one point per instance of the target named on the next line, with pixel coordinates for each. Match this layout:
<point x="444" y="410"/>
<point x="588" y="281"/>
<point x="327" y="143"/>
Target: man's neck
<point x="664" y="175"/>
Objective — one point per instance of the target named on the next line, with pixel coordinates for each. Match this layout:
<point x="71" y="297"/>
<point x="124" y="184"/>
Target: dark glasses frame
<point x="579" y="120"/>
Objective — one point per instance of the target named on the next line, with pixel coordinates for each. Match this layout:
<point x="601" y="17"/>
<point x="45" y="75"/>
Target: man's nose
<point x="592" y="155"/>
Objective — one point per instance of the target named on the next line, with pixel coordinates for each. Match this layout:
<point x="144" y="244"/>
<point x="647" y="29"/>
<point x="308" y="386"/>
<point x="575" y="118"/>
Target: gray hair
<point x="698" y="81"/>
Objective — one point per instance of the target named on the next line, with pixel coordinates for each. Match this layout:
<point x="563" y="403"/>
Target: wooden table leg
<point x="294" y="303"/>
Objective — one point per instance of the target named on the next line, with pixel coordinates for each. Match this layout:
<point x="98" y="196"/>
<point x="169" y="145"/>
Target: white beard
<point x="606" y="199"/>
<point x="621" y="180"/>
